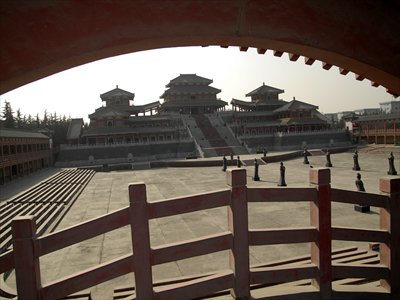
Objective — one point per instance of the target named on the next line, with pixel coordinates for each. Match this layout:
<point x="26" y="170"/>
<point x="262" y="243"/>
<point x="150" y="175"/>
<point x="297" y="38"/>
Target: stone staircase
<point x="48" y="201"/>
<point x="218" y="146"/>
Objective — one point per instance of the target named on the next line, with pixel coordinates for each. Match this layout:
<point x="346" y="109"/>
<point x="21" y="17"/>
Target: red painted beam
<point x="309" y="61"/>
<point x="293" y="57"/>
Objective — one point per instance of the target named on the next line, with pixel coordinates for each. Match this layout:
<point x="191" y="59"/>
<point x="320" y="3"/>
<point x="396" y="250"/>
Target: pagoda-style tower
<point x="191" y="94"/>
<point x="263" y="98"/>
<point x="265" y="94"/>
<point x="118" y="98"/>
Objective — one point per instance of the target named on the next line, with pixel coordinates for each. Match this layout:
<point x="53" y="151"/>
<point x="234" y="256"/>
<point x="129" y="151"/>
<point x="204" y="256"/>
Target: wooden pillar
<point x="141" y="241"/>
<point x="26" y="258"/>
<point x="320" y="217"/>
<point x="389" y="220"/>
<point x="238" y="225"/>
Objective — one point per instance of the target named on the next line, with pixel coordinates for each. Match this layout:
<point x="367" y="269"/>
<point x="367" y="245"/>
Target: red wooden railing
<point x="28" y="247"/>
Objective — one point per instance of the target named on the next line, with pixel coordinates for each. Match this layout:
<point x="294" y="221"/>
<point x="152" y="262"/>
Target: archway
<point x="44" y="37"/>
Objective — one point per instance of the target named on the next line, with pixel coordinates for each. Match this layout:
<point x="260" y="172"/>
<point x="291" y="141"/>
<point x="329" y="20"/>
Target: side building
<point x="121" y="132"/>
<point x="377" y="129"/>
<point x="22" y="153"/>
<point x="274" y="124"/>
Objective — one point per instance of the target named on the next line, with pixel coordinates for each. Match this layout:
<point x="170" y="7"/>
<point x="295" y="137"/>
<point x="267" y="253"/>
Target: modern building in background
<point x="390" y="107"/>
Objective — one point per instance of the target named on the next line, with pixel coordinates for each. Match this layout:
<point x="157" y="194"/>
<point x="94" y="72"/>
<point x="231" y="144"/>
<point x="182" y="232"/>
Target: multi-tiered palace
<point x="192" y="120"/>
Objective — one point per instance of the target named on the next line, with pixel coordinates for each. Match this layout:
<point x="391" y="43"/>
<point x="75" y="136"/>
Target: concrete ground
<point x="109" y="191"/>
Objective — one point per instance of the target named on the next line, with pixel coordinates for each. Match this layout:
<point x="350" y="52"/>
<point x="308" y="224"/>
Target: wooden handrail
<point x="190" y="248"/>
<point x="360" y="234"/>
<point x="361" y="198"/>
<point x="259" y="237"/>
<point x="87" y="278"/>
<point x="83" y="231"/>
<point x="280" y="194"/>
<point x="181" y="205"/>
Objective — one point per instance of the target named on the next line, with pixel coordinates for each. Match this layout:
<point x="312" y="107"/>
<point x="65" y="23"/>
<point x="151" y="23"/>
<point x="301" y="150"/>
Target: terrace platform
<point x="108" y="191"/>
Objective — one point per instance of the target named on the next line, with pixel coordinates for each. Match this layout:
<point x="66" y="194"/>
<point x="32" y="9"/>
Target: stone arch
<point x="44" y="37"/>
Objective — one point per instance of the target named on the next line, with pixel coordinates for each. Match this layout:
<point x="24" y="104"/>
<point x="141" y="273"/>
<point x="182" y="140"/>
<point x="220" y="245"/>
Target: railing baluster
<point x="141" y="241"/>
<point x="26" y="257"/>
<point x="238" y="225"/>
<point x="389" y="220"/>
<point x="320" y="217"/>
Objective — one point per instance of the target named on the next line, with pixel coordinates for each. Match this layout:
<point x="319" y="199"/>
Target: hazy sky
<point x="76" y="92"/>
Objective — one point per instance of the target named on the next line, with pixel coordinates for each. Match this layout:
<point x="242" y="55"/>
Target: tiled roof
<point x="265" y="89"/>
<point x="116" y="92"/>
<point x="193" y="103"/>
<point x="189" y="79"/>
<point x="15" y="133"/>
<point x="109" y="112"/>
<point x="190" y="90"/>
<point x="295" y="105"/>
<point x="258" y="104"/>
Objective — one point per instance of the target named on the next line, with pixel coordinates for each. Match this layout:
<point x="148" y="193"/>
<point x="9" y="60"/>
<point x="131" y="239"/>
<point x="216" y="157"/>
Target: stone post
<point x="320" y="217"/>
<point x="26" y="258"/>
<point x="282" y="170"/>
<point x="238" y="225"/>
<point x="389" y="220"/>
<point x="256" y="165"/>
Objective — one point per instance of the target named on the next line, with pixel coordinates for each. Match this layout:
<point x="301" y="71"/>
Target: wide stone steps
<point x="48" y="201"/>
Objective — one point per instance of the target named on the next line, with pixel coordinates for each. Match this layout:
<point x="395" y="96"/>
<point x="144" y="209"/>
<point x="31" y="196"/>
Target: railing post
<point x="26" y="258"/>
<point x="320" y="217"/>
<point x="238" y="225"/>
<point x="389" y="220"/>
<point x="141" y="241"/>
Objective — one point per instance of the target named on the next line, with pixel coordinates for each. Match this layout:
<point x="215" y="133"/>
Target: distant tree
<point x="45" y="121"/>
<point x="29" y="121"/>
<point x="18" y="119"/>
<point x="37" y="121"/>
<point x="8" y="118"/>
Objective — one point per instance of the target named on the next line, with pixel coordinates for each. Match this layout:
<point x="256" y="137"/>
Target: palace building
<point x="192" y="121"/>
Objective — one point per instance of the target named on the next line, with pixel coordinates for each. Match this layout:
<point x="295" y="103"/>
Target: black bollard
<point x="305" y="155"/>
<point x="360" y="188"/>
<point x="392" y="170"/>
<point x="265" y="152"/>
<point x="328" y="159"/>
<point x="256" y="177"/>
<point x="356" y="166"/>
<point x="239" y="163"/>
<point x="231" y="156"/>
<point x="224" y="163"/>
<point x="282" y="181"/>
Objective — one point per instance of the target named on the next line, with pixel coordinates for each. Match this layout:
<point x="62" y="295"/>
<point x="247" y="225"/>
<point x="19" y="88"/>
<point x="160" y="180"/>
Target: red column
<point x="320" y="217"/>
<point x="238" y="225"/>
<point x="141" y="242"/>
<point x="26" y="258"/>
<point x="389" y="220"/>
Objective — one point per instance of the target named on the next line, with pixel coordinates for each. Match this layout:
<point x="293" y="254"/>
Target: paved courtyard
<point x="109" y="191"/>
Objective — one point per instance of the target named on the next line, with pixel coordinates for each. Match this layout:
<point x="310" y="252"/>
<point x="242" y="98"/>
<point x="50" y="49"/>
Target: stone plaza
<point x="108" y="191"/>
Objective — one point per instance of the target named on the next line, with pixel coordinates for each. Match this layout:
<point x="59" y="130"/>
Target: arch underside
<point x="41" y="38"/>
